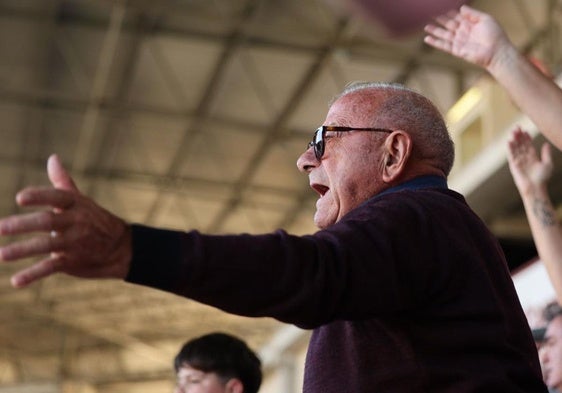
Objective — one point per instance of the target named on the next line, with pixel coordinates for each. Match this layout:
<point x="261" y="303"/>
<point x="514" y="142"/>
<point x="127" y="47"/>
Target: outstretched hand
<point x="468" y="34"/>
<point x="529" y="171"/>
<point x="74" y="235"/>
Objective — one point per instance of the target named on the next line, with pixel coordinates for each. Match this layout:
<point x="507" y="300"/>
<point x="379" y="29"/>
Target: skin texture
<point x="191" y="380"/>
<point x="551" y="354"/>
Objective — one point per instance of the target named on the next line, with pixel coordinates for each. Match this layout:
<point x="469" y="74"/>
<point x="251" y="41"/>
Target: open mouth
<point x="320" y="189"/>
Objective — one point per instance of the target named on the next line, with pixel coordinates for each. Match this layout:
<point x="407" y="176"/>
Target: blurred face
<point x="541" y="351"/>
<point x="191" y="380"/>
<point x="349" y="172"/>
<point x="551" y="354"/>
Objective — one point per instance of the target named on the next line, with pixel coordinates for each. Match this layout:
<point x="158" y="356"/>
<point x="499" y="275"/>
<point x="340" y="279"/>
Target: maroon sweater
<point x="409" y="292"/>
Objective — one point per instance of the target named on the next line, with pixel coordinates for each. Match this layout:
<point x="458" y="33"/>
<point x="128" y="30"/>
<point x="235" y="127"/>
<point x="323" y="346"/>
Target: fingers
<point x="438" y="33"/>
<point x="520" y="137"/>
<point x="450" y="20"/>
<point x="37" y="245"/>
<point x="471" y="13"/>
<point x="519" y="146"/>
<point x="79" y="237"/>
<point x="35" y="272"/>
<point x="46" y="197"/>
<point x="510" y="148"/>
<point x="33" y="222"/>
<point x="546" y="154"/>
<point x="58" y="176"/>
<point x="441" y="44"/>
<point x="442" y="35"/>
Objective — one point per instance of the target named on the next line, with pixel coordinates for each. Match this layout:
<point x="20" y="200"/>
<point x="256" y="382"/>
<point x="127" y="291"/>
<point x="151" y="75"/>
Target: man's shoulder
<point x="418" y="195"/>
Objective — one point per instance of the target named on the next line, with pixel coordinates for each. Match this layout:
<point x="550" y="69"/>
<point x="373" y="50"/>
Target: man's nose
<point x="307" y="161"/>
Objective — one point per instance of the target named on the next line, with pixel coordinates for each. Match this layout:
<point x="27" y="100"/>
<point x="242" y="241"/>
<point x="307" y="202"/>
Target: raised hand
<point x="74" y="235"/>
<point x="468" y="34"/>
<point x="529" y="171"/>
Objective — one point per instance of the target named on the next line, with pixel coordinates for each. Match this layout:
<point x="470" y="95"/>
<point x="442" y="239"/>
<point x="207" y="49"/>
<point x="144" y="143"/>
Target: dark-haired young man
<point x="217" y="363"/>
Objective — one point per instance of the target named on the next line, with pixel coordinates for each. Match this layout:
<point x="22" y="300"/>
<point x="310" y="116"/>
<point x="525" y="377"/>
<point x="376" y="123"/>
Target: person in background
<point x="478" y="38"/>
<point x="217" y="363"/>
<point x="551" y="350"/>
<point x="540" y="341"/>
<point x="401" y="278"/>
<point x="531" y="173"/>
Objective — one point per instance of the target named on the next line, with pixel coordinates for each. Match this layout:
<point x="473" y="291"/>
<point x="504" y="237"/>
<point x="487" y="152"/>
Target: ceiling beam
<point x="321" y="60"/>
<point x="107" y="56"/>
<point x="356" y="48"/>
<point x="235" y="40"/>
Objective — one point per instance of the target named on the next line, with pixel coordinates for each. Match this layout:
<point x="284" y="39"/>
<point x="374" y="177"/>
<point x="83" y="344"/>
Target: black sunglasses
<point x="318" y="141"/>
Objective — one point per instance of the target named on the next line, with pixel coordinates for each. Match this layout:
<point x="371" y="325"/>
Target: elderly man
<point x="405" y="288"/>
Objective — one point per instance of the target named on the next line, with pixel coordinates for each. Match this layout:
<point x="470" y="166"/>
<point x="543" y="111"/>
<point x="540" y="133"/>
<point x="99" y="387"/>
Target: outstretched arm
<point x="478" y="38"/>
<point x="531" y="174"/>
<point x="74" y="235"/>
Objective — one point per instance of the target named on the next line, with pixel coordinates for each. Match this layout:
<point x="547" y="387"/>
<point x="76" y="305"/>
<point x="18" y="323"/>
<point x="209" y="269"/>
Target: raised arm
<point x="73" y="234"/>
<point x="478" y="38"/>
<point x="531" y="174"/>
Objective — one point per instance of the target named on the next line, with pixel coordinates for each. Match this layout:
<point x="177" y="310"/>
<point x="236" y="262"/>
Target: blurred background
<point x="191" y="114"/>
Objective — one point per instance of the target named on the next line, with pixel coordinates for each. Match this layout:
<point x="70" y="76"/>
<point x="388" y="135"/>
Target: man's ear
<point x="398" y="149"/>
<point x="234" y="385"/>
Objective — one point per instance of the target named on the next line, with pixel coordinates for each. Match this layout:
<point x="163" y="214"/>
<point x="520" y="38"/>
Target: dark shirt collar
<point x="430" y="181"/>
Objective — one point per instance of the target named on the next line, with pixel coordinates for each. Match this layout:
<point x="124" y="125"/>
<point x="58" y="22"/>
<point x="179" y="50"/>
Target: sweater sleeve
<point x="273" y="275"/>
<point x="358" y="268"/>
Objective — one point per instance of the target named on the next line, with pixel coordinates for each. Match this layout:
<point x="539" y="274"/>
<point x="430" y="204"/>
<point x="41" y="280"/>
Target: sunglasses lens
<point x="318" y="144"/>
<point x="319" y="149"/>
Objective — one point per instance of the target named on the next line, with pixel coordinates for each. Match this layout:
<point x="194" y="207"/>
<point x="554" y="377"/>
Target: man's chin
<point x="319" y="224"/>
<point x="321" y="221"/>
